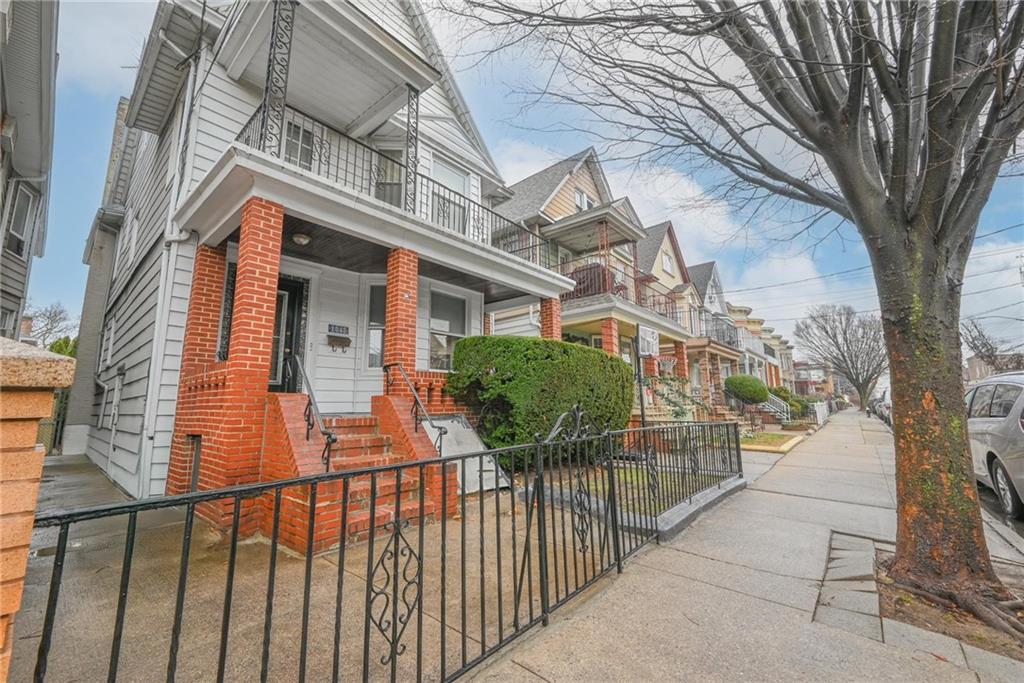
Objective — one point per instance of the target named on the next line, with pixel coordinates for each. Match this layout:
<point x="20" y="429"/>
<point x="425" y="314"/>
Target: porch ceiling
<point x="339" y="250"/>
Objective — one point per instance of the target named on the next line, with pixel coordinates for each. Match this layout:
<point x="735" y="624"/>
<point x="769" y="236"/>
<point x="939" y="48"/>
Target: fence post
<point x="542" y="536"/>
<point x="613" y="503"/>
<point x="736" y="441"/>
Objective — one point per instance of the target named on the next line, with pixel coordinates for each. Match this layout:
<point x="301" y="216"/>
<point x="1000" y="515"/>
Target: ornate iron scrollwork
<point x="394" y="579"/>
<point x="276" y="88"/>
<point x="651" y="465"/>
<point x="581" y="508"/>
<point x="572" y="425"/>
<point x="412" y="146"/>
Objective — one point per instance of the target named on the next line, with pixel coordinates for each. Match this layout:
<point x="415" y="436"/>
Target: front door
<point x="287" y="334"/>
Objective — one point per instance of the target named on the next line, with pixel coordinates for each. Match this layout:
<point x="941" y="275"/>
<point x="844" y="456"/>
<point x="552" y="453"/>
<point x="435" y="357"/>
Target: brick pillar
<point x="610" y="336"/>
<point x="551" y="318"/>
<point x="222" y="403"/>
<point x="28" y="376"/>
<point x="651" y="367"/>
<point x="488" y="324"/>
<point x="682" y="366"/>
<point x="400" y="308"/>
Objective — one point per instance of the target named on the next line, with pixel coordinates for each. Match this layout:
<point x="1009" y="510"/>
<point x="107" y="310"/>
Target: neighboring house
<point x="976" y="369"/>
<point x="766" y="355"/>
<point x="715" y="354"/>
<point x="270" y="235"/>
<point x="813" y="379"/>
<point x="28" y="73"/>
<point x="627" y="278"/>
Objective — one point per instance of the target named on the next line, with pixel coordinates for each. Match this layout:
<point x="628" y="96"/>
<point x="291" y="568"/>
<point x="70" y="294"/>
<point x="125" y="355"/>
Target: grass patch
<point x="766" y="439"/>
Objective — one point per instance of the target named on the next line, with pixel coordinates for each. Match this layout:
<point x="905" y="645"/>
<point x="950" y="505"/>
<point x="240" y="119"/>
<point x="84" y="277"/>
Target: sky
<point x="100" y="44"/>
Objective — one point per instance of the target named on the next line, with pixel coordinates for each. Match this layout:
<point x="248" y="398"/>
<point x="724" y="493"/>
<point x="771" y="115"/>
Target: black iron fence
<point x="386" y="572"/>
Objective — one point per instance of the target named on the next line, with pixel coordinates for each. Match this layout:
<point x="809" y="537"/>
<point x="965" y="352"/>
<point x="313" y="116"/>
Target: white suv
<point x="995" y="426"/>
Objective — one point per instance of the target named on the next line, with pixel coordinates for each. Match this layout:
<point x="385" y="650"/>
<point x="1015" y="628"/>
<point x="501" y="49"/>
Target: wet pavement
<point x="990" y="503"/>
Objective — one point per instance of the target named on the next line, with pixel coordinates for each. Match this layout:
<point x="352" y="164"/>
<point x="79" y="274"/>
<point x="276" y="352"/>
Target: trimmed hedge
<point x="520" y="385"/>
<point x="747" y="388"/>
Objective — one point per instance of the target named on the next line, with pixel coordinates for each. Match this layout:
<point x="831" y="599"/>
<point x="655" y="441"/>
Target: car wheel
<point x="1004" y="489"/>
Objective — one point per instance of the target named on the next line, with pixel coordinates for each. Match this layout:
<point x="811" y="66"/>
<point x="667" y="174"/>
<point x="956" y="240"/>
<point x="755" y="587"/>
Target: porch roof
<point x="213" y="210"/>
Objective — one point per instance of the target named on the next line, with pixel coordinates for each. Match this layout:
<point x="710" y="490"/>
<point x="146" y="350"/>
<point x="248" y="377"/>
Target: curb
<point x="673" y="521"/>
<point x="780" y="450"/>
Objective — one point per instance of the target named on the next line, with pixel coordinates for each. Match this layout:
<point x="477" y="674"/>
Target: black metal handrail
<point x="419" y="410"/>
<point x="318" y="148"/>
<point x="563" y="512"/>
<point x="293" y="368"/>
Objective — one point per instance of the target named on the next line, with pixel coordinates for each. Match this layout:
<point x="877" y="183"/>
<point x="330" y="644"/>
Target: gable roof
<point x="647" y="249"/>
<point x="532" y="194"/>
<point x="700" y="276"/>
<point x="451" y="88"/>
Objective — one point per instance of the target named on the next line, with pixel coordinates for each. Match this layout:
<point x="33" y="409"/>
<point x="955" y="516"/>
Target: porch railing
<point x="313" y="146"/>
<point x="398" y="575"/>
<point x="705" y="324"/>
<point x="314" y="420"/>
<point x="604" y="274"/>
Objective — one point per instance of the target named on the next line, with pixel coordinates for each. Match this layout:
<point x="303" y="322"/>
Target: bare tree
<point x="51" y="322"/>
<point x="990" y="350"/>
<point x="895" y="117"/>
<point x="852" y="345"/>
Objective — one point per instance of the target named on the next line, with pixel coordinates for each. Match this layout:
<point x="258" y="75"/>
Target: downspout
<point x="168" y="257"/>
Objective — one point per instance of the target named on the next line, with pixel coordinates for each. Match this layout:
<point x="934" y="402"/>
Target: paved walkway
<point x="734" y="596"/>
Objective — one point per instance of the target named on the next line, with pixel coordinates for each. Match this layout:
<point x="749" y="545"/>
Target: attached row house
<point x="28" y="74"/>
<point x="298" y="215"/>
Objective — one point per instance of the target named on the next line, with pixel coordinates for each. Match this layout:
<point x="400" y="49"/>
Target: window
<point x="596" y="341"/>
<point x="7" y="322"/>
<point x="447" y="326"/>
<point x="375" y="327"/>
<point x="20" y="220"/>
<point x="583" y="201"/>
<point x="298" y="146"/>
<point x="448" y="206"/>
<point x="626" y="349"/>
<point x="1003" y="399"/>
<point x="107" y="348"/>
<point x="981" y="401"/>
<point x="666" y="263"/>
<point x="388" y="187"/>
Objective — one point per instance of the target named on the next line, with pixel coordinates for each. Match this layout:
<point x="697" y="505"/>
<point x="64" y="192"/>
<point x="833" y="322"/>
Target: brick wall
<point x="682" y="364"/>
<point x="610" y="336"/>
<point x="28" y="377"/>
<point x="551" y="318"/>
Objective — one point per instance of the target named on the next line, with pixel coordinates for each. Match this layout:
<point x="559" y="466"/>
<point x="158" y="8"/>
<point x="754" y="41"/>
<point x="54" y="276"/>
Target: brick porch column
<point x="682" y="366"/>
<point x="551" y="318"/>
<point x="400" y="313"/>
<point x="28" y="376"/>
<point x="610" y="336"/>
<point x="488" y="324"/>
<point x="221" y="403"/>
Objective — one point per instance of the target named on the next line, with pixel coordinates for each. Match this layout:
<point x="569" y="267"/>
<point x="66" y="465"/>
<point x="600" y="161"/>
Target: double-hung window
<point x="20" y="219"/>
<point x="666" y="263"/>
<point x="447" y="326"/>
<point x="448" y="201"/>
<point x="298" y="145"/>
<point x="8" y="321"/>
<point x="375" y="327"/>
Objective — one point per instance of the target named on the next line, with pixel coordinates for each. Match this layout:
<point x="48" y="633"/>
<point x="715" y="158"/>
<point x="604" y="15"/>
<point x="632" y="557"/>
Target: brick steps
<point x="359" y="520"/>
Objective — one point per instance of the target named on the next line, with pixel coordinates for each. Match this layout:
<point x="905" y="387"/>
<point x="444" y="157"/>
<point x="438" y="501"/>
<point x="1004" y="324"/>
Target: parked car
<point x="995" y="427"/>
<point x="883" y="407"/>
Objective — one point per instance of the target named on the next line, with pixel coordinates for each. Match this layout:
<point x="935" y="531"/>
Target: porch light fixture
<point x="301" y="239"/>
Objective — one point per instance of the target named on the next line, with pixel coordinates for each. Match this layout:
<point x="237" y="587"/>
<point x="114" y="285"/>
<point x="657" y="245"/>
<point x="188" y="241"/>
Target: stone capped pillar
<point x="551" y="318"/>
<point x="28" y="377"/>
<point x="400" y="308"/>
<point x="682" y="366"/>
<point x="610" y="336"/>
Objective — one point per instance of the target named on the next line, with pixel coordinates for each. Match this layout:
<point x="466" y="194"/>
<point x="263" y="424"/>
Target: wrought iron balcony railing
<point x="604" y="274"/>
<point x="718" y="329"/>
<point x="315" y="147"/>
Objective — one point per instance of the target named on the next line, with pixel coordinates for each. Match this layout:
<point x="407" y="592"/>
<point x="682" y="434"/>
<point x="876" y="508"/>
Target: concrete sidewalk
<point x="734" y="596"/>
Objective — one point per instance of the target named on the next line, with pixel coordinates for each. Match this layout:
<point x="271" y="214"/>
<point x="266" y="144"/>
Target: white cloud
<point x="100" y="44"/>
<point x="518" y="159"/>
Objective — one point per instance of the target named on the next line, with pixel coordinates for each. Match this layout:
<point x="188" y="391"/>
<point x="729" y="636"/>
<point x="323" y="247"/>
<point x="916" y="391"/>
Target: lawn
<point x="765" y="439"/>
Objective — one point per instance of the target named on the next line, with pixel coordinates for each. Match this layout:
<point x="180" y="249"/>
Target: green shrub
<point x="782" y="392"/>
<point x="521" y="385"/>
<point x="747" y="388"/>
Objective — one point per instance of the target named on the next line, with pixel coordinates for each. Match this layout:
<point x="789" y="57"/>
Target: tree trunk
<point x="940" y="540"/>
<point x="863" y="393"/>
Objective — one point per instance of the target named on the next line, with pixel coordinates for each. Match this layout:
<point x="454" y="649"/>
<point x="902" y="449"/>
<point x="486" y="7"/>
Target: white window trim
<point x="13" y="321"/>
<point x="430" y="330"/>
<point x="107" y="350"/>
<point x="31" y="217"/>
<point x="364" y="312"/>
<point x="668" y="263"/>
<point x="453" y="166"/>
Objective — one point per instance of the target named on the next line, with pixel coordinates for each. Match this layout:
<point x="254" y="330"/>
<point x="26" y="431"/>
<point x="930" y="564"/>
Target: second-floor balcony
<point x="715" y="328"/>
<point x="598" y="273"/>
<point x="312" y="146"/>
